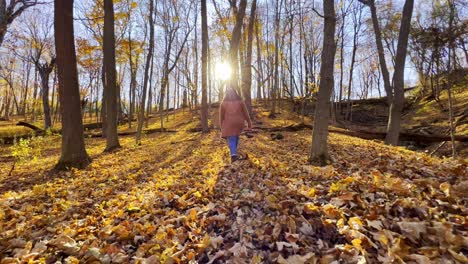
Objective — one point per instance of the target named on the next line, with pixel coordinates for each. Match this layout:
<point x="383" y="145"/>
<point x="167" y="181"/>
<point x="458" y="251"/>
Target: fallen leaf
<point x="298" y="259"/>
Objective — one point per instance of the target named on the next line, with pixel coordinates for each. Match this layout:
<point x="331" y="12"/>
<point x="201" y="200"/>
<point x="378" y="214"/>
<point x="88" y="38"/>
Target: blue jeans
<point x="233" y="141"/>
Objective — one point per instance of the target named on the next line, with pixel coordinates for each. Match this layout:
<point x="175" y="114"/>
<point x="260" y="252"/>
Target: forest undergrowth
<point x="177" y="199"/>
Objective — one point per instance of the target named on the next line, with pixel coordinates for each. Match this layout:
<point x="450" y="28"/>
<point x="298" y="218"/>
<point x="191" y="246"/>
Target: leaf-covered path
<point x="177" y="199"/>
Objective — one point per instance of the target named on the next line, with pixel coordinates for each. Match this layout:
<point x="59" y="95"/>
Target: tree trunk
<point x="112" y="140"/>
<point x="26" y="88"/>
<point x="45" y="100"/>
<point x="33" y="106"/>
<point x="210" y="80"/>
<point x="73" y="148"/>
<point x="164" y="81"/>
<point x="53" y="102"/>
<point x="319" y="150"/>
<point x="340" y="96"/>
<point x="167" y="100"/>
<point x="195" y="72"/>
<point x="276" y="63"/>
<point x="451" y="62"/>
<point x="259" y="63"/>
<point x="247" y="69"/>
<point x="394" y="121"/>
<point x="44" y="72"/>
<point x="204" y="106"/>
<point x="11" y="82"/>
<point x="141" y="114"/>
<point x="291" y="68"/>
<point x="380" y="49"/>
<point x="150" y="91"/>
<point x="234" y="44"/>
<point x="131" y="92"/>
<point x="104" y="100"/>
<point x="357" y="27"/>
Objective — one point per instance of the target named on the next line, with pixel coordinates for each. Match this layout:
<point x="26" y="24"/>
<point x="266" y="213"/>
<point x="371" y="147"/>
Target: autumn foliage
<point x="176" y="199"/>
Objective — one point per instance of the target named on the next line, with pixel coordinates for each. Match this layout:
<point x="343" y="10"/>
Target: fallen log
<point x="130" y="133"/>
<point x="9" y="140"/>
<point x="404" y="136"/>
<point x="31" y="126"/>
<point x="36" y="131"/>
<point x="98" y="125"/>
<point x="431" y="138"/>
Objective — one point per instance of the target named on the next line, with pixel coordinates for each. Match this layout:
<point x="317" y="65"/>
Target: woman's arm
<point x="246" y="115"/>
<point x="221" y="115"/>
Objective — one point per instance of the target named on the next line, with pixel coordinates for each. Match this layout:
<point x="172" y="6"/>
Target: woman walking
<point x="232" y="116"/>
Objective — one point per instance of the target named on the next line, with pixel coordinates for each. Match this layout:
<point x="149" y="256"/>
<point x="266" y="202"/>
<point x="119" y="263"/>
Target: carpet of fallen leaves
<point x="177" y="199"/>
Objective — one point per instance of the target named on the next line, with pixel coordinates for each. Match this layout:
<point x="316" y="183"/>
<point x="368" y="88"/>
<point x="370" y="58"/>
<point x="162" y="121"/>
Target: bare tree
<point x="247" y="69"/>
<point x="319" y="150"/>
<point x="204" y="109"/>
<point x="110" y="87"/>
<point x="9" y="11"/>
<point x="45" y="69"/>
<point x="141" y="113"/>
<point x="7" y="74"/>
<point x="171" y="17"/>
<point x="34" y="44"/>
<point x="357" y="13"/>
<point x="396" y="108"/>
<point x="396" y="95"/>
<point x="380" y="49"/>
<point x="278" y="5"/>
<point x="43" y="57"/>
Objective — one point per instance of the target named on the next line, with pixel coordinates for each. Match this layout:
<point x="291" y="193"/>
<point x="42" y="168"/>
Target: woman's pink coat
<point x="232" y="117"/>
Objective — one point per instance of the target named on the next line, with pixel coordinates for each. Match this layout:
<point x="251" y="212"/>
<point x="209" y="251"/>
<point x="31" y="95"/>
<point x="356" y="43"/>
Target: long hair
<point x="231" y="95"/>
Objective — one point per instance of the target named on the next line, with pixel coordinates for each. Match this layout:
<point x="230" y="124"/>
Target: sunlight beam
<point x="223" y="71"/>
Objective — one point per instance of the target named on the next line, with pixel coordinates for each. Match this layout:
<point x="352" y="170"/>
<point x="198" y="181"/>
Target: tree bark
<point x="45" y="70"/>
<point x="340" y="96"/>
<point x="34" y="97"/>
<point x="150" y="91"/>
<point x="112" y="140"/>
<point x="259" y="62"/>
<point x="394" y="120"/>
<point x="276" y="63"/>
<point x="234" y="44"/>
<point x="25" y="91"/>
<point x="319" y="150"/>
<point x="204" y="106"/>
<point x="247" y="69"/>
<point x="141" y="114"/>
<point x="131" y="92"/>
<point x="73" y="148"/>
<point x="451" y="62"/>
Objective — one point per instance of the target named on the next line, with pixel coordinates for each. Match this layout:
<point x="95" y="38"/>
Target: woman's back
<point x="233" y="115"/>
<point x="232" y="107"/>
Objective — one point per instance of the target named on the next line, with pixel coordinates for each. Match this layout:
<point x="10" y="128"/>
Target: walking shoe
<point x="233" y="158"/>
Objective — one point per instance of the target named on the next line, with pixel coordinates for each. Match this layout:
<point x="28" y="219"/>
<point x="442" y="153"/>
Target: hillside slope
<point x="176" y="198"/>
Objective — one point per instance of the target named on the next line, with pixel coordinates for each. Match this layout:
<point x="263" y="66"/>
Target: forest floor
<point x="177" y="199"/>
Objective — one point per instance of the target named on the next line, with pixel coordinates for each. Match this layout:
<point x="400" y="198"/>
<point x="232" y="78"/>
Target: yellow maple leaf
<point x="445" y="187"/>
<point x="311" y="192"/>
<point x="357" y="243"/>
<point x="197" y="194"/>
<point x="355" y="222"/>
<point x="193" y="214"/>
